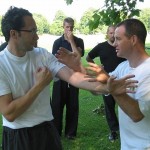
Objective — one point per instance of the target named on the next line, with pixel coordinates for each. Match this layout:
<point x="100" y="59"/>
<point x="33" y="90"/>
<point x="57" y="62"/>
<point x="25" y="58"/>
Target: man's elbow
<point x="10" y="118"/>
<point x="137" y="118"/>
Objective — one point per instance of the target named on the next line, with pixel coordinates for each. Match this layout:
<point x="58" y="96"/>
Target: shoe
<point x="113" y="136"/>
<point x="70" y="137"/>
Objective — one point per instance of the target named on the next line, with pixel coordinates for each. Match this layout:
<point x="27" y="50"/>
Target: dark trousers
<point x="41" y="137"/>
<point x="111" y="116"/>
<point x="65" y="95"/>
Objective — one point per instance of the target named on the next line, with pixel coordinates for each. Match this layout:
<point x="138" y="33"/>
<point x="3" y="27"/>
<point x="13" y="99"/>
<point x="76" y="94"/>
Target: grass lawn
<point x="92" y="128"/>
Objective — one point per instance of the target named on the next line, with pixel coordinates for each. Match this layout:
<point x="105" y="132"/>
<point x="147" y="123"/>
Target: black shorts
<point x="40" y="137"/>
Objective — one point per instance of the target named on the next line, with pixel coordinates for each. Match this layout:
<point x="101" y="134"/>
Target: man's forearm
<point x="18" y="106"/>
<point x="129" y="106"/>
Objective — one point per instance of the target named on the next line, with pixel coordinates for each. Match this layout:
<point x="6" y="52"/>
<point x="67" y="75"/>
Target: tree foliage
<point x="56" y="28"/>
<point x="84" y="23"/>
<point x="113" y="12"/>
<point x="42" y="23"/>
<point x="83" y="26"/>
<point x="145" y="18"/>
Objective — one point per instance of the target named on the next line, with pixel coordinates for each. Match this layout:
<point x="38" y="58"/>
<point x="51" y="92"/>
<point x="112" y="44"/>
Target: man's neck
<point x="15" y="52"/>
<point x="109" y="42"/>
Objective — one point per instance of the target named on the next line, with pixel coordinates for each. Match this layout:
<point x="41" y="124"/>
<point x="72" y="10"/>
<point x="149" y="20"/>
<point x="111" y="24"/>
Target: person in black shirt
<point x="65" y="94"/>
<point x="3" y="45"/>
<point x="108" y="58"/>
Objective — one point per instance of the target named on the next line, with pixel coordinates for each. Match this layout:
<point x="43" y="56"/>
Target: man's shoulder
<point x="78" y="38"/>
<point x="59" y="39"/>
<point x="101" y="44"/>
<point x="38" y="50"/>
<point x="104" y="43"/>
<point x="3" y="46"/>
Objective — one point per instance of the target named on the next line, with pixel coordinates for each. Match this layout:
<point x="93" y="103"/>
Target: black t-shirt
<point x="2" y="46"/>
<point x="107" y="54"/>
<point x="61" y="42"/>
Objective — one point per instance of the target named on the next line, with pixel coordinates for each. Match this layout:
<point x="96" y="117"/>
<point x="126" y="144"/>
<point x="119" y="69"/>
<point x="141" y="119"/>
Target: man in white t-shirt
<point x="134" y="108"/>
<point x="24" y="85"/>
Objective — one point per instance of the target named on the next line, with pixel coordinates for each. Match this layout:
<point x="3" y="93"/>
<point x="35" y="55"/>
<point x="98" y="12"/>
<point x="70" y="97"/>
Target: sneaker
<point x="113" y="136"/>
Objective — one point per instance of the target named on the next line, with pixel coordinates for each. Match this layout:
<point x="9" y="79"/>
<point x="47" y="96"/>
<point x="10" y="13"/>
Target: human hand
<point x="43" y="76"/>
<point x="69" y="35"/>
<point x="96" y="73"/>
<point x="70" y="59"/>
<point x="121" y="86"/>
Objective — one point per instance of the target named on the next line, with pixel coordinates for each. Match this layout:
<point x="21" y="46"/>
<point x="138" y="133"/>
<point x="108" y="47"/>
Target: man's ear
<point x="134" y="39"/>
<point x="13" y="34"/>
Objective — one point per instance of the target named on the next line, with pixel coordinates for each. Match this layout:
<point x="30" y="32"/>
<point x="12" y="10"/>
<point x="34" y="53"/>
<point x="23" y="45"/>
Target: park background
<point x="49" y="15"/>
<point x="92" y="129"/>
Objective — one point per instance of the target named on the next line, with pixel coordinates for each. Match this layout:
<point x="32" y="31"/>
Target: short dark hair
<point x="134" y="27"/>
<point x="68" y="20"/>
<point x="13" y="20"/>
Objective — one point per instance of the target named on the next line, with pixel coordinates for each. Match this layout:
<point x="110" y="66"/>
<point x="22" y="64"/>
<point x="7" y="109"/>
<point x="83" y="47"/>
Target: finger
<point x="89" y="76"/>
<point x="64" y="50"/>
<point x="92" y="80"/>
<point x="128" y="76"/>
<point x="92" y="69"/>
<point x="59" y="56"/>
<point x="90" y="73"/>
<point x="112" y="77"/>
<point x="93" y="65"/>
<point x="132" y="86"/>
<point x="97" y="70"/>
<point x="129" y="90"/>
<point x="60" y="52"/>
<point x="130" y="81"/>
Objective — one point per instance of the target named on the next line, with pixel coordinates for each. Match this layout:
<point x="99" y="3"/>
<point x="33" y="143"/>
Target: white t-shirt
<point x="136" y="135"/>
<point x="17" y="77"/>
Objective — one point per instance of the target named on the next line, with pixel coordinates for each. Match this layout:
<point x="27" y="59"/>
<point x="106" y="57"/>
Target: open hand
<point x="96" y="73"/>
<point x="122" y="85"/>
<point x="70" y="59"/>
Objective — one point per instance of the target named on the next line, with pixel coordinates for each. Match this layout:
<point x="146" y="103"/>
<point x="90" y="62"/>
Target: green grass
<point x="92" y="128"/>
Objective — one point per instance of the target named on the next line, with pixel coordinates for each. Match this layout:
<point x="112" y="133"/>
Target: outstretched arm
<point x="78" y="79"/>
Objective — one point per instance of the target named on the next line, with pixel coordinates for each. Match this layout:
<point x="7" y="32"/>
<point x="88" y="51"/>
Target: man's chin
<point x="31" y="49"/>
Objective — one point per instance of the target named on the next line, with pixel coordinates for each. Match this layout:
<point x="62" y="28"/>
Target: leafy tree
<point x="42" y="23"/>
<point x="56" y="26"/>
<point x="84" y="23"/>
<point x="113" y="12"/>
<point x="83" y="27"/>
<point x="145" y="18"/>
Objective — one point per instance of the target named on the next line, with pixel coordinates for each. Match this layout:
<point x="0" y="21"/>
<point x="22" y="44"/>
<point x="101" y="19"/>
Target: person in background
<point x="3" y="45"/>
<point x="65" y="94"/>
<point x="108" y="58"/>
